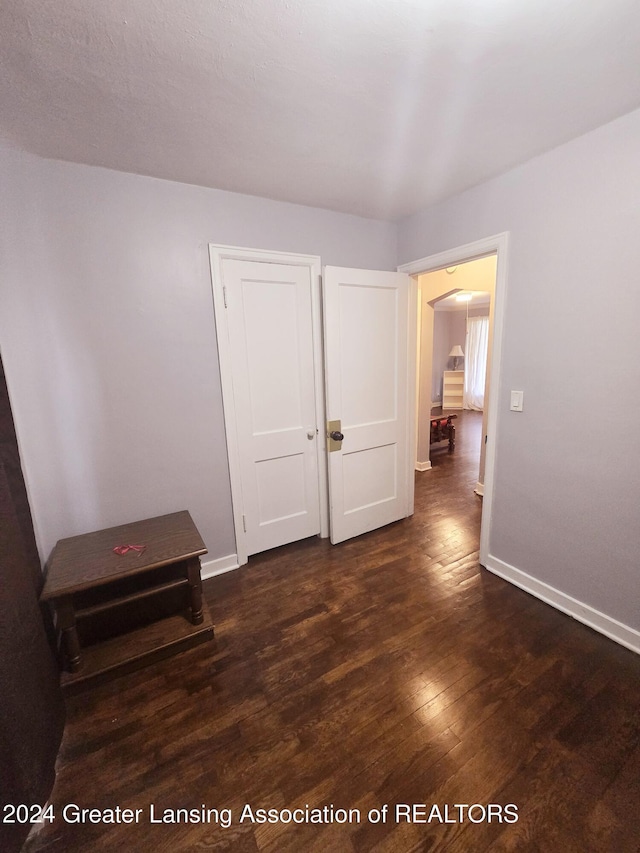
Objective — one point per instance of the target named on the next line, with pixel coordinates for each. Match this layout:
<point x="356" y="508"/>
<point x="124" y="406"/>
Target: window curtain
<point x="475" y="367"/>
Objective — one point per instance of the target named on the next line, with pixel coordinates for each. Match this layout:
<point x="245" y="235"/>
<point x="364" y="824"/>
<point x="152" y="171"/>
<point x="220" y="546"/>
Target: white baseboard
<point x="211" y="568"/>
<point x="617" y="631"/>
<point x="479" y="489"/>
<point x="423" y="466"/>
<point x="436" y="404"/>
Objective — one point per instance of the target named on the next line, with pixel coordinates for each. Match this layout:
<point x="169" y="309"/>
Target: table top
<point x="442" y="417"/>
<point x="87" y="561"/>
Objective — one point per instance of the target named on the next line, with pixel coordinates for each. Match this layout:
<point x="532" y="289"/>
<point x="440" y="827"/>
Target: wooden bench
<point x="127" y="596"/>
<point x="443" y="429"/>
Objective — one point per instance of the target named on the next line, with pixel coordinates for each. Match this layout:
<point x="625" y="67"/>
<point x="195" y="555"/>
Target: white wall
<point x="108" y="338"/>
<point x="566" y="486"/>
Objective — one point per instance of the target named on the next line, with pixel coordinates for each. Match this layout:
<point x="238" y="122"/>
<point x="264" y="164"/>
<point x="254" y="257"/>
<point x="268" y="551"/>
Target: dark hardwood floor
<point x="388" y="670"/>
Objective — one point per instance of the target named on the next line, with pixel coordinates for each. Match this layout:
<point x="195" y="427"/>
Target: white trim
<point x="617" y="631"/>
<point x="217" y="254"/>
<point x="497" y="244"/>
<point x="468" y="252"/>
<point x="318" y="375"/>
<point x="479" y="489"/>
<point x="211" y="568"/>
<point x="423" y="466"/>
<point x="412" y="379"/>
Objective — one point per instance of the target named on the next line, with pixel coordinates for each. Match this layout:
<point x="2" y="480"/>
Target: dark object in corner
<point x="31" y="703"/>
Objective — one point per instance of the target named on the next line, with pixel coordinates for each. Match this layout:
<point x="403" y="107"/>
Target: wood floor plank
<point x="391" y="669"/>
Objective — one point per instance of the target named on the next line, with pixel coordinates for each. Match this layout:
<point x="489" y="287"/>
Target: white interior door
<point x="370" y="377"/>
<point x="268" y="312"/>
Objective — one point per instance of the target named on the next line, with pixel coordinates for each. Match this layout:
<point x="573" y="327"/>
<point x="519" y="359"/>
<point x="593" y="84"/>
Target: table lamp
<point x="455" y="354"/>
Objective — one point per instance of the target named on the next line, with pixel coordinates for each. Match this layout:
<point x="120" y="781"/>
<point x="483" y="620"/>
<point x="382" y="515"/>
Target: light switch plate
<point x="516" y="401"/>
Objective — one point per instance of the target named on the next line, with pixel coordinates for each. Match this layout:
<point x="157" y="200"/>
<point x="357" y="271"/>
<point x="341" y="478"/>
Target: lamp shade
<point x="456" y="352"/>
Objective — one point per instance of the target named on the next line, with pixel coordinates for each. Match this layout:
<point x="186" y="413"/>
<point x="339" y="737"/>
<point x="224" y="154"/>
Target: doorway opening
<point x="456" y="326"/>
<point x="494" y="250"/>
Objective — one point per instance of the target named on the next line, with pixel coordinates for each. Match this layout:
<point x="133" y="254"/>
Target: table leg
<point x="67" y="624"/>
<point x="195" y="588"/>
<point x="452" y="434"/>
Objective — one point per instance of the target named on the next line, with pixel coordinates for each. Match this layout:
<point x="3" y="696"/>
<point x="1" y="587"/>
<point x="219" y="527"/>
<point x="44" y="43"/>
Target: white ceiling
<point x="373" y="107"/>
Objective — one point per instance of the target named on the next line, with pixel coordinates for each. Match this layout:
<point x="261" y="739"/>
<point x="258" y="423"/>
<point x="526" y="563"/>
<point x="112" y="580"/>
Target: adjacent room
<point x="252" y="598"/>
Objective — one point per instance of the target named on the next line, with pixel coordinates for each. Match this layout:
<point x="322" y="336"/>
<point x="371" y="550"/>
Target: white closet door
<point x="269" y="323"/>
<point x="368" y="369"/>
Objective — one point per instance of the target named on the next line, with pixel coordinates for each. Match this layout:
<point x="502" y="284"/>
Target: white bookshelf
<point x="452" y="388"/>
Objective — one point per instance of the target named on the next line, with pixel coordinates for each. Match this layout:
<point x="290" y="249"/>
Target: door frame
<point x="497" y="244"/>
<point x="217" y="255"/>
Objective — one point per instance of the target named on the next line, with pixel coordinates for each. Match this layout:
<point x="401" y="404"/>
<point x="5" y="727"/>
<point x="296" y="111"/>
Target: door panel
<point x="370" y="477"/>
<point x="271" y="346"/>
<point x="368" y="361"/>
<point x="368" y="347"/>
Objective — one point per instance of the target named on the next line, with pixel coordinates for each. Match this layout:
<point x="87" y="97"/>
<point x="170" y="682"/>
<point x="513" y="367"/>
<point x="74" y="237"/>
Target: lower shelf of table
<point x="135" y="649"/>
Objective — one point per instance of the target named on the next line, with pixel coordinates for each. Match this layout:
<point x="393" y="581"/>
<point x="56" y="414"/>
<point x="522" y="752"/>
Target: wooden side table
<point x="87" y="579"/>
<point x="443" y="428"/>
